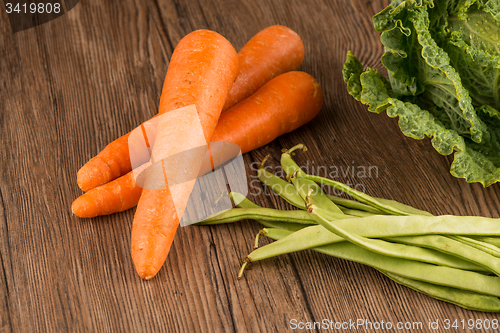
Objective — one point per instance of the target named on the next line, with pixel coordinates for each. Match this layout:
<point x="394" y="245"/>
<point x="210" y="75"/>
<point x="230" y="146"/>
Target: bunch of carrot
<point x="248" y="98"/>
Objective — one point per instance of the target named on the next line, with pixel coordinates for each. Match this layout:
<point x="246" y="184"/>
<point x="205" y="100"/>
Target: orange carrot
<point x="112" y="162"/>
<point x="201" y="72"/>
<point x="113" y="197"/>
<point x="280" y="106"/>
<point x="272" y="51"/>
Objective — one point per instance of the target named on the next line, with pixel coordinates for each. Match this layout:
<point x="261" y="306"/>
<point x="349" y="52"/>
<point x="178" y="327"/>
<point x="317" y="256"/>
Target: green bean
<point x="377" y="226"/>
<point x="243" y="202"/>
<point x="289" y="193"/>
<point x="265" y="214"/>
<point x="277" y="234"/>
<point x="490" y="240"/>
<point x="354" y="212"/>
<point x="402" y="207"/>
<point x="462" y="298"/>
<point x="465" y="299"/>
<point x="483" y="246"/>
<point x="353" y="204"/>
<point x="306" y="238"/>
<point x="255" y="212"/>
<point x="258" y="213"/>
<point x="282" y="225"/>
<point x="459" y="297"/>
<point x="294" y="216"/>
<point x="283" y="188"/>
<point x="358" y="195"/>
<point x="303" y="186"/>
<point x="383" y="247"/>
<point x="455" y="248"/>
<point x="310" y="237"/>
<point x="440" y="275"/>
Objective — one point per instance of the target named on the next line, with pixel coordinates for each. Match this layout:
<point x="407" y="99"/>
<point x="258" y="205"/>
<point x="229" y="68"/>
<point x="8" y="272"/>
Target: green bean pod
<point x="483" y="246"/>
<point x="356" y="205"/>
<point x="283" y="188"/>
<point x="353" y="204"/>
<point x="439" y="275"/>
<point x="464" y="299"/>
<point x="490" y="240"/>
<point x="375" y="226"/>
<point x="358" y="195"/>
<point x="383" y="247"/>
<point x="243" y="202"/>
<point x="402" y="207"/>
<point x="455" y="248"/>
<point x="265" y="214"/>
<point x="304" y="186"/>
<point x="282" y="225"/>
<point x="310" y="238"/>
<point x="354" y="212"/>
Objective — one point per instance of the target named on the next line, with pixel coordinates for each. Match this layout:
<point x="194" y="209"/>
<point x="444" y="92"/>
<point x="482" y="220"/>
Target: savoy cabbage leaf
<point x="444" y="79"/>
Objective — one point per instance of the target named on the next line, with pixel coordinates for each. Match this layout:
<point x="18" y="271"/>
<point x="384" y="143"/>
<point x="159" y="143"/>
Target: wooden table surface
<point x="70" y="86"/>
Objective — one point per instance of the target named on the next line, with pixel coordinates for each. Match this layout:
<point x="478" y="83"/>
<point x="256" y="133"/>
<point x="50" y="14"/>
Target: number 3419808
<point x="33" y="8"/>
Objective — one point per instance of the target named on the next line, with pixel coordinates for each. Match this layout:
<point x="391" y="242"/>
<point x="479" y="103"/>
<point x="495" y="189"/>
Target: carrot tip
<point x="147" y="274"/>
<point x="83" y="208"/>
<point x="145" y="270"/>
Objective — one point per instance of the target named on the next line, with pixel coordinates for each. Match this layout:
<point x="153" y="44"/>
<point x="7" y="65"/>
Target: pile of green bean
<point x="452" y="258"/>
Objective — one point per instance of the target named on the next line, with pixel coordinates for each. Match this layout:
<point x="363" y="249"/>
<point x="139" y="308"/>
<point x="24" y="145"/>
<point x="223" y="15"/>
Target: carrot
<point x="113" y="161"/>
<point x="201" y="72"/>
<point x="272" y="51"/>
<point x="280" y="106"/>
<point x="113" y="197"/>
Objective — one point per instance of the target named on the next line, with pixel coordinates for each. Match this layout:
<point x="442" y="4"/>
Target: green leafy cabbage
<point x="443" y="63"/>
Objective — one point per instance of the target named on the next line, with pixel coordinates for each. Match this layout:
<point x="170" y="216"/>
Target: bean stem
<point x="305" y="186"/>
<point x="284" y="189"/>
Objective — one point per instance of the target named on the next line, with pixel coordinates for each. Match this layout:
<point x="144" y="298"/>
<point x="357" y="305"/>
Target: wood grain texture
<point x="70" y="86"/>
